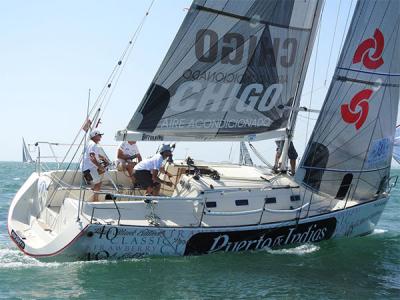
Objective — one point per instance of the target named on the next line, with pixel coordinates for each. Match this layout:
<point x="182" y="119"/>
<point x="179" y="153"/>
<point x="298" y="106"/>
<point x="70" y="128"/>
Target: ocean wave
<point x="300" y="250"/>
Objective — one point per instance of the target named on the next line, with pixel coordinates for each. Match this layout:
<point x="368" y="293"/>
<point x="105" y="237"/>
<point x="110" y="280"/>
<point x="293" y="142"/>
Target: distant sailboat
<point x="396" y="145"/>
<point x="26" y="156"/>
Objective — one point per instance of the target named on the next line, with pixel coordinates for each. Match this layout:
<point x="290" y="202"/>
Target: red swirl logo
<point x="362" y="53"/>
<point x="349" y="113"/>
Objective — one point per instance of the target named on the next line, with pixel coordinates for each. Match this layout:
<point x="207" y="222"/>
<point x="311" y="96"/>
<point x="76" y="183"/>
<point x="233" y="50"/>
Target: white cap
<point x="95" y="132"/>
<point x="164" y="147"/>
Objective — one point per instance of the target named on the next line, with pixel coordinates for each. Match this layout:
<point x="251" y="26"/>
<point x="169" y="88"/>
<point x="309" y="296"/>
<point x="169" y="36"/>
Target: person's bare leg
<point x="293" y="166"/>
<point x="156" y="190"/>
<point x="96" y="188"/>
<point x="129" y="169"/>
<point x="149" y="190"/>
<point x="277" y="157"/>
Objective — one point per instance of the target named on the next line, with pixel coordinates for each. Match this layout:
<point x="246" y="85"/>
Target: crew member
<point x="127" y="151"/>
<point x="292" y="155"/>
<point x="92" y="167"/>
<point x="147" y="171"/>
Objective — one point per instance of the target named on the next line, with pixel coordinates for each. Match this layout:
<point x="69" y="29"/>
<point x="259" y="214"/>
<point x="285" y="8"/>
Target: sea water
<point x="358" y="268"/>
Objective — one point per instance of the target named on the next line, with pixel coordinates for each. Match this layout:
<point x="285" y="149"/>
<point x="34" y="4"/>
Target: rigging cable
<point x="126" y="54"/>
<point x="260" y="157"/>
<point x="100" y="99"/>
<point x="345" y="30"/>
<point x="333" y="40"/>
<point x="103" y="93"/>
<point x="313" y="78"/>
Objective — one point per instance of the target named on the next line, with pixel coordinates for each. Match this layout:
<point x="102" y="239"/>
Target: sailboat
<point x="396" y="145"/>
<point x="26" y="156"/>
<point x="235" y="72"/>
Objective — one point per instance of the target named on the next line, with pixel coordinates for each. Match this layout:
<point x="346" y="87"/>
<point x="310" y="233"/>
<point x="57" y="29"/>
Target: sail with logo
<point x="349" y="153"/>
<point x="233" y="72"/>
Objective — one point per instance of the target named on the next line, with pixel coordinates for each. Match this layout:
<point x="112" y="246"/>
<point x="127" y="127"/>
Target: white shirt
<point x="87" y="164"/>
<point x="127" y="149"/>
<point x="152" y="163"/>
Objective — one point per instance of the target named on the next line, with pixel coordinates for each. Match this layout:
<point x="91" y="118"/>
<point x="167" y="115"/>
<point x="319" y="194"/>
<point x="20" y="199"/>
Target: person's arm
<point x="93" y="159"/>
<point x="122" y="155"/>
<point x="139" y="157"/>
<point x="155" y="178"/>
<point x="162" y="169"/>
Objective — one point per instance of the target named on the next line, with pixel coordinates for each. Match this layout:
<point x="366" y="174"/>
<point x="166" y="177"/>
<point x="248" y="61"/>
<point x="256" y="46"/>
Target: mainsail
<point x="232" y="72"/>
<point x="350" y="150"/>
<point x="26" y="156"/>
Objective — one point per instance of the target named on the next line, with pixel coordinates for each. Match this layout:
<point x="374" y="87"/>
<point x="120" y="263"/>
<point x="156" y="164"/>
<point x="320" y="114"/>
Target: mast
<point x="294" y="111"/>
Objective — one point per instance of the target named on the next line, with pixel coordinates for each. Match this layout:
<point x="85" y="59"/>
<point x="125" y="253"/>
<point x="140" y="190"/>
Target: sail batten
<point x="231" y="71"/>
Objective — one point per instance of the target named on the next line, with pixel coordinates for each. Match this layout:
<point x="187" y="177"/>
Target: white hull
<point x="116" y="242"/>
<point x="178" y="227"/>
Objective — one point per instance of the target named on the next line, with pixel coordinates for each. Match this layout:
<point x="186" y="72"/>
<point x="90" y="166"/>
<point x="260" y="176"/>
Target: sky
<point x="53" y="52"/>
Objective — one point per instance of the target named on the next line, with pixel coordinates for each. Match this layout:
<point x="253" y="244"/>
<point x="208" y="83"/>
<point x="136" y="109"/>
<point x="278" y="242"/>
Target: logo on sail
<point x="357" y="111"/>
<point x="362" y="53"/>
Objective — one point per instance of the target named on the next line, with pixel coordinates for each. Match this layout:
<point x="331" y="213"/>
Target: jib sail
<point x="350" y="151"/>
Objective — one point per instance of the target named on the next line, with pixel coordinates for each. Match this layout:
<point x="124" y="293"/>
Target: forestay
<point x="350" y="151"/>
<point x="232" y="71"/>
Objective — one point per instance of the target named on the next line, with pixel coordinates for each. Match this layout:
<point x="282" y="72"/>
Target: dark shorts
<point x="292" y="153"/>
<point x="144" y="179"/>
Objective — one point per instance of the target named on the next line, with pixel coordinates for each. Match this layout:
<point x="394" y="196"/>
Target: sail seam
<point x="374" y="83"/>
<point x="244" y="18"/>
<point x="369" y="72"/>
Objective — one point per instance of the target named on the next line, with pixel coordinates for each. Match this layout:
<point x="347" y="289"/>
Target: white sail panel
<point x="231" y="72"/>
<point x="349" y="153"/>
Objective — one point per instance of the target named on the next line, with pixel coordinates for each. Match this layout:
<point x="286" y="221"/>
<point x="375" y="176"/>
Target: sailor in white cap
<point x="146" y="171"/>
<point x="92" y="168"/>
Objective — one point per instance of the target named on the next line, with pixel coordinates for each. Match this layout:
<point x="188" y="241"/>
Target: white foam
<point x="300" y="250"/>
<point x="14" y="259"/>
<point x="16" y="178"/>
<point x="379" y="231"/>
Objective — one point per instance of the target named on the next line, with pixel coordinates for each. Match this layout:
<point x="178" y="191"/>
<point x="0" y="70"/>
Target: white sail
<point x="26" y="156"/>
<point x="350" y="150"/>
<point x="231" y="73"/>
